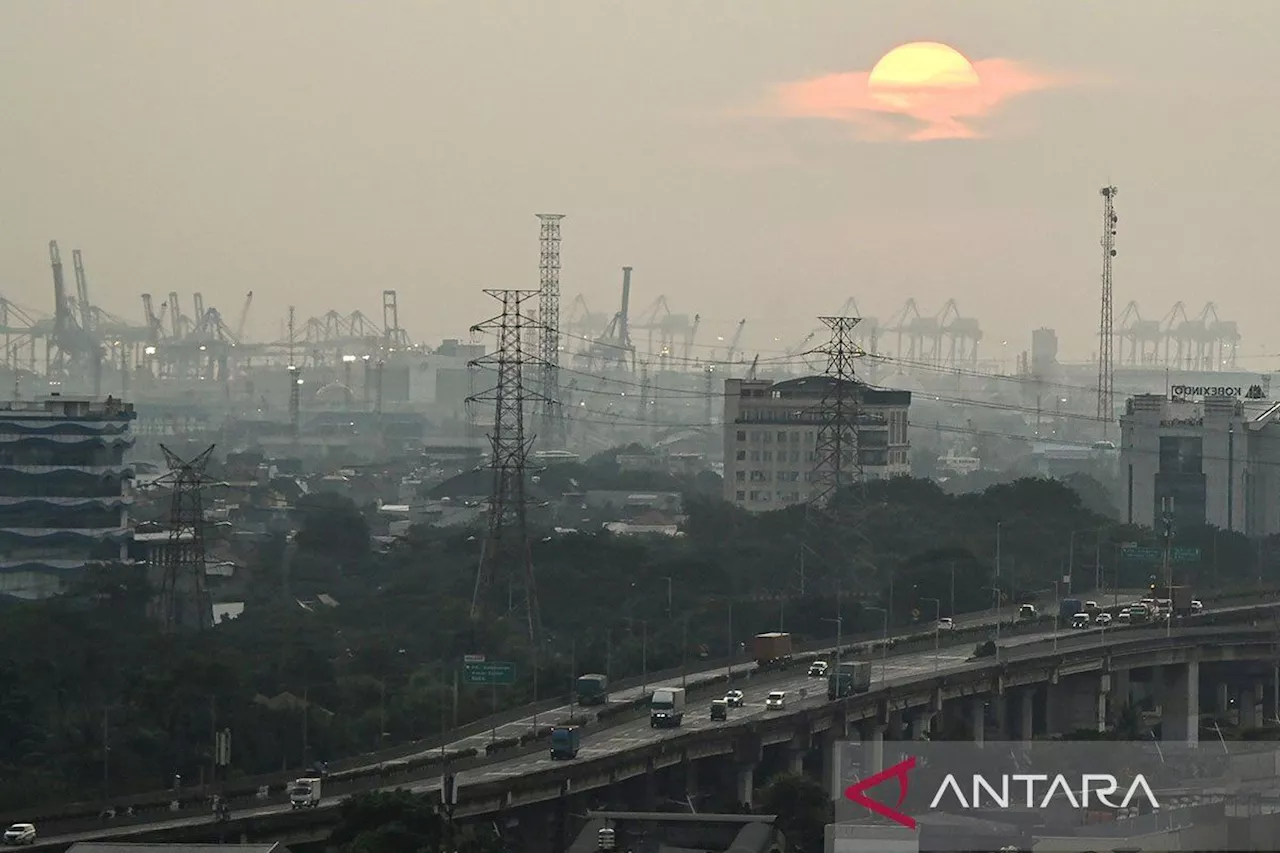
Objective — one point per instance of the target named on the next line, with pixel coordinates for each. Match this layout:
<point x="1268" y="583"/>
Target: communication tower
<point x="1106" y="326"/>
<point x="506" y="558"/>
<point x="551" y="424"/>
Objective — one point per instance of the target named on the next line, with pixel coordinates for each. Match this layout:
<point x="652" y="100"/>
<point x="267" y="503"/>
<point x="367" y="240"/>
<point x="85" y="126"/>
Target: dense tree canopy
<point x="379" y="666"/>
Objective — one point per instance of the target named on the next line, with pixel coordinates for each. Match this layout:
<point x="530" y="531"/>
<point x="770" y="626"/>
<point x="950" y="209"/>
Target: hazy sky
<point x="317" y="152"/>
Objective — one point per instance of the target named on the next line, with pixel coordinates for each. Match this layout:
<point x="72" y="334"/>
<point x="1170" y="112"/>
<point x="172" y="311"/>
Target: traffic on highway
<point x="801" y="690"/>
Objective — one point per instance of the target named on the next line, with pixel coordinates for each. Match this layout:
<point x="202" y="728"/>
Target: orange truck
<point x="772" y="650"/>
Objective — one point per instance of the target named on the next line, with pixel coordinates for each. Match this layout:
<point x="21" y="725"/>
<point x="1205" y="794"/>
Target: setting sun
<point x="920" y="91"/>
<point x="923" y="64"/>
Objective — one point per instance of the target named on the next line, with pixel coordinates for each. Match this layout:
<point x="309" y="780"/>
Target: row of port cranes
<point x="656" y="338"/>
<point x="1177" y="340"/>
<point x="81" y="340"/>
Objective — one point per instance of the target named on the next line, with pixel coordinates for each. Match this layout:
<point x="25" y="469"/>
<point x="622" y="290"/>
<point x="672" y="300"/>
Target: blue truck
<point x="565" y="742"/>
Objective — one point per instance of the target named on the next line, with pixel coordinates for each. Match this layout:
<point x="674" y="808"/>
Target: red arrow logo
<point x="857" y="792"/>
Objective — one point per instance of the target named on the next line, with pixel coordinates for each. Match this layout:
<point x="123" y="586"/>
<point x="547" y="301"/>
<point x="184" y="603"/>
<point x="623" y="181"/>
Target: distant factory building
<point x="1206" y="459"/>
<point x="771" y="436"/>
<point x="64" y="490"/>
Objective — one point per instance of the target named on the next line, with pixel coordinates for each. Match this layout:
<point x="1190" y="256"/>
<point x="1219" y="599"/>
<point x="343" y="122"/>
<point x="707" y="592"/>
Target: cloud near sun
<point x="917" y="92"/>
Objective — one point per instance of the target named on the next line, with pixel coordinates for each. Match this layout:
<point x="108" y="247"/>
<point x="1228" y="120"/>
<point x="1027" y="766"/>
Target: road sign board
<point x="473" y="658"/>
<point x="488" y="672"/>
<point x="1156" y="555"/>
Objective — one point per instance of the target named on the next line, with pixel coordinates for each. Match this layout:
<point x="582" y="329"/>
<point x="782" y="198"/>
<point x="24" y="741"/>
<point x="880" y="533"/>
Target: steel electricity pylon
<point x="551" y="421"/>
<point x="183" y="600"/>
<point x="837" y="497"/>
<point x="506" y="559"/>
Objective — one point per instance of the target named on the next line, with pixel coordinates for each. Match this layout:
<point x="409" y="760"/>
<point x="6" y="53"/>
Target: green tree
<point x="333" y="526"/>
<point x="802" y="807"/>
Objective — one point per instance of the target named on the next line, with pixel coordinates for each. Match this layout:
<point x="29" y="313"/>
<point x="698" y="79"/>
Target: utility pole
<point x="295" y="383"/>
<point x="1106" y="327"/>
<point x="1167" y="529"/>
<point x="506" y="554"/>
<point x="552" y="419"/>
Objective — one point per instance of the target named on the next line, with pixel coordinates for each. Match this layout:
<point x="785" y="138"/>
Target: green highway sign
<point x="488" y="672"/>
<point x="1156" y="555"/>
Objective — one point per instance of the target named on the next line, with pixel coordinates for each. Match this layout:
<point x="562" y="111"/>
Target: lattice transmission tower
<point x="551" y="423"/>
<point x="506" y="560"/>
<point x="1106" y="327"/>
<point x="838" y="493"/>
<point x="183" y="600"/>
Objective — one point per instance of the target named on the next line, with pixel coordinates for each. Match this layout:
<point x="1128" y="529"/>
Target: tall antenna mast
<point x="552" y="424"/>
<point x="1106" y="326"/>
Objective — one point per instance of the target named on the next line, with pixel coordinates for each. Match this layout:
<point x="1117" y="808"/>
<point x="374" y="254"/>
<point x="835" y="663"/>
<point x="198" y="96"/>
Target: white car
<point x="818" y="669"/>
<point x="946" y="623"/>
<point x="776" y="701"/>
<point x="734" y="698"/>
<point x="20" y="833"/>
<point x="1103" y="619"/>
<point x="1197" y="606"/>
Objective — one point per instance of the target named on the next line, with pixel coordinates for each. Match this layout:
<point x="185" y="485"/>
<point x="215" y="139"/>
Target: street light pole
<point x="668" y="580"/>
<point x="996" y="586"/>
<point x="937" y="618"/>
<point x="884" y="641"/>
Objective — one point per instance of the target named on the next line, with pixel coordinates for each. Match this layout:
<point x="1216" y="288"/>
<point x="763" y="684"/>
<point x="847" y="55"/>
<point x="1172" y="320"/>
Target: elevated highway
<point x="907" y="689"/>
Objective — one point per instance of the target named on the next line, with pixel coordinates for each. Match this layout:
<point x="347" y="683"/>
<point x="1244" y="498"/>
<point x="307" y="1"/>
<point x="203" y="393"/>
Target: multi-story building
<point x="771" y="437"/>
<point x="64" y="490"/>
<point x="1209" y="460"/>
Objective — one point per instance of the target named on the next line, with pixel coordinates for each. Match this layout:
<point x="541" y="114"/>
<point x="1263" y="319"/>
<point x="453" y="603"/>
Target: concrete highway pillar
<point x="1026" y="714"/>
<point x="920" y="724"/>
<point x="1119" y="696"/>
<point x="1003" y="705"/>
<point x="746" y="784"/>
<point x="1180" y="702"/>
<point x="893" y="731"/>
<point x="832" y="739"/>
<point x="1269" y="700"/>
<point x="872" y="748"/>
<point x="796" y="760"/>
<point x="690" y="777"/>
<point x="977" y="720"/>
<point x="1222" y="697"/>
<point x="1248" y="705"/>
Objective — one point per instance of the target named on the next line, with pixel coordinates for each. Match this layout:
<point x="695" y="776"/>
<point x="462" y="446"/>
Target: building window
<point x="768" y="438"/>
<point x="768" y="456"/>
<point x="795" y="437"/>
<point x="755" y="456"/>
<point x="755" y="436"/>
<point x="742" y="435"/>
<point x="740" y="495"/>
<point x="795" y="456"/>
<point x="740" y="476"/>
<point x="759" y="476"/>
<point x="741" y="455"/>
<point x="755" y="496"/>
<point x="782" y="437"/>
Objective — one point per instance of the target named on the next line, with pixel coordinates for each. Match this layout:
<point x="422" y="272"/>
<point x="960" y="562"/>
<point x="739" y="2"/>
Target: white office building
<point x="1207" y="460"/>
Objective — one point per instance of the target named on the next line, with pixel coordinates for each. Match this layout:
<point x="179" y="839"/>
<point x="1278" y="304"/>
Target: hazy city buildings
<point x="1209" y="460"/>
<point x="771" y="436"/>
<point x="64" y="490"/>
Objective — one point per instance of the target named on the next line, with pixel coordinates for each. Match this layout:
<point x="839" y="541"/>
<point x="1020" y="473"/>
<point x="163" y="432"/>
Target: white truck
<point x="305" y="793"/>
<point x="666" y="707"/>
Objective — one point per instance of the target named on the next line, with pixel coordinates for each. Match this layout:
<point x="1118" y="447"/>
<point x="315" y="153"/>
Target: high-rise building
<point x="65" y="490"/>
<point x="771" y="437"/>
<point x="1202" y="459"/>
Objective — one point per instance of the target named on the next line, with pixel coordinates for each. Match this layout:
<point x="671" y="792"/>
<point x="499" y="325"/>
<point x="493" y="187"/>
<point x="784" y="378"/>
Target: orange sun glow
<point x="918" y="91"/>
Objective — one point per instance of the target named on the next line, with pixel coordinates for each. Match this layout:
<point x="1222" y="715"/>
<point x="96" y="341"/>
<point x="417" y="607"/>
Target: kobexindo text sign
<point x="928" y="789"/>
